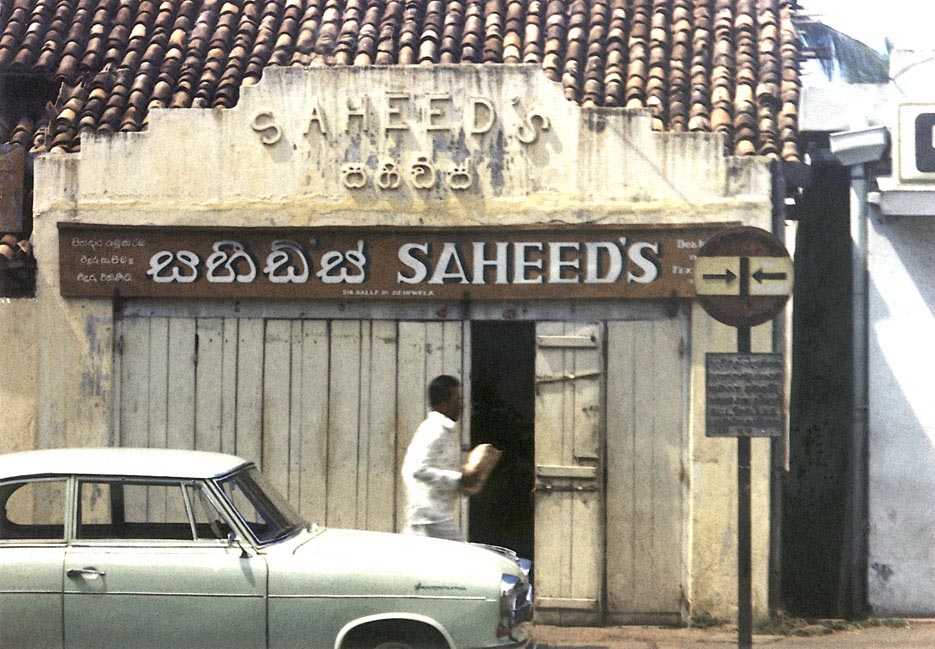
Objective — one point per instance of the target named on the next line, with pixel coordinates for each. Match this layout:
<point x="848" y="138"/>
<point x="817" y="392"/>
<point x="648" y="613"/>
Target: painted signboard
<point x="526" y="263"/>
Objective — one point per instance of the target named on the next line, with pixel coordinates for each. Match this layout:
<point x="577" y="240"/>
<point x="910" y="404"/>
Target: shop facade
<point x="281" y="280"/>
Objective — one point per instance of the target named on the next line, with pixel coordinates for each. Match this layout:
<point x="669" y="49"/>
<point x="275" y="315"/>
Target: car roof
<point x="133" y="462"/>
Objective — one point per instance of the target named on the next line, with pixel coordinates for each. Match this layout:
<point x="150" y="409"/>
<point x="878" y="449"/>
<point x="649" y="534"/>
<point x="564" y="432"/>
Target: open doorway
<point x="503" y="414"/>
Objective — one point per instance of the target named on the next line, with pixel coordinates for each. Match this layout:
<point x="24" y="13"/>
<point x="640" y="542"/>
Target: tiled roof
<point x="728" y="66"/>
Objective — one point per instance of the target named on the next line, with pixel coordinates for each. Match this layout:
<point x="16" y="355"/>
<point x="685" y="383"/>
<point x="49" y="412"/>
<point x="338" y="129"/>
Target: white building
<point x="884" y="134"/>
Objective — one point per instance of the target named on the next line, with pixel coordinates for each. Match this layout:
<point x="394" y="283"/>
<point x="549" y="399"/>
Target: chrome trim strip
<point x="418" y="597"/>
<point x="242" y="595"/>
<point x="166" y="594"/>
<point x="149" y="544"/>
<point x="30" y="592"/>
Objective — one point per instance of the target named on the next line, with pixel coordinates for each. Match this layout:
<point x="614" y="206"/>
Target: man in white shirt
<point x="432" y="466"/>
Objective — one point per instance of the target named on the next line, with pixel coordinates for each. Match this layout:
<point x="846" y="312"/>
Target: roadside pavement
<point x="919" y="634"/>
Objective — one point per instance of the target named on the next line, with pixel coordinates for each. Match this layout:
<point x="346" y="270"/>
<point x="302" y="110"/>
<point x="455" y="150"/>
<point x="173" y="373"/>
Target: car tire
<point x="395" y="634"/>
<point x="396" y="644"/>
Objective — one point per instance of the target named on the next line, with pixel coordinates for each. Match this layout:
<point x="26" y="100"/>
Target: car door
<point x="32" y="549"/>
<point x="150" y="567"/>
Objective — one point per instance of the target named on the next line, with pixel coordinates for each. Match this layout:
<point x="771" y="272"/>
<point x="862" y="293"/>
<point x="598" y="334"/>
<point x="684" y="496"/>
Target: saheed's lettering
<point x="529" y="262"/>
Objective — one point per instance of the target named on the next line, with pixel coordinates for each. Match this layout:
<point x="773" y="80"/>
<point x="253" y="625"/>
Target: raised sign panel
<point x="619" y="262"/>
<point x="915" y="142"/>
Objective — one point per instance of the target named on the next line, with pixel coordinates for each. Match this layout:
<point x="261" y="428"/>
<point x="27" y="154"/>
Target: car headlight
<point x="525" y="566"/>
<point x="515" y="603"/>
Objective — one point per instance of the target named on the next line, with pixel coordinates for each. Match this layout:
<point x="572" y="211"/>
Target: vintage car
<point x="170" y="549"/>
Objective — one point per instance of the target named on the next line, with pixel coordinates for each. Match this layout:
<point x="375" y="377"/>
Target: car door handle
<point x="85" y="573"/>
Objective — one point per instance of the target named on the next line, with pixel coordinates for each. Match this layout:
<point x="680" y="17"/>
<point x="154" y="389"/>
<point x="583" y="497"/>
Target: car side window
<point x="209" y="522"/>
<point x="32" y="510"/>
<point x="141" y="510"/>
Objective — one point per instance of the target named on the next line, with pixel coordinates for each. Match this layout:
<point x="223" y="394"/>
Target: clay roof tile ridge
<point x="593" y="90"/>
<point x="264" y="43"/>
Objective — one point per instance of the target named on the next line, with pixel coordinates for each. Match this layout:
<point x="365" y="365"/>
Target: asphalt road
<point x="920" y="634"/>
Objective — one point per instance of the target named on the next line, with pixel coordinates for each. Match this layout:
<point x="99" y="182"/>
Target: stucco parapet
<point x="56" y="177"/>
<point x="397" y="139"/>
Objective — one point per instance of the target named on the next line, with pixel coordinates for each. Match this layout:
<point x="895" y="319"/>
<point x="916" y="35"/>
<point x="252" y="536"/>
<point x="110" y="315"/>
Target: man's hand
<point x="470" y="482"/>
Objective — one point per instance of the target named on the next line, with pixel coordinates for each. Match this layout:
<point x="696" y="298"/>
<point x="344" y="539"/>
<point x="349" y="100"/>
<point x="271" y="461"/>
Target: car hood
<point x="352" y="562"/>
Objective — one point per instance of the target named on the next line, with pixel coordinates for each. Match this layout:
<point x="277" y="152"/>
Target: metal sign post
<point x="744" y="519"/>
<point x="743" y="277"/>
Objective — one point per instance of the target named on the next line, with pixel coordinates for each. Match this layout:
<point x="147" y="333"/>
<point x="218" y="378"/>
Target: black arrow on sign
<point x="760" y="276"/>
<point x="728" y="276"/>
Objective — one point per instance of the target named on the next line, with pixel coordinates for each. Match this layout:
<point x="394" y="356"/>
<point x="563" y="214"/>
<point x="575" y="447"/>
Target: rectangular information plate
<point x="744" y="395"/>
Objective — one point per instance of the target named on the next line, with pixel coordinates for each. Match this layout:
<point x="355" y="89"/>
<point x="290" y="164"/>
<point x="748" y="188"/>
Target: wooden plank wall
<point x="644" y="474"/>
<point x="325" y="408"/>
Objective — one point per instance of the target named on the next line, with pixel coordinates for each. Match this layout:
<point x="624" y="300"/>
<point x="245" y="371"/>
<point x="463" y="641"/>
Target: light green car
<point x="165" y="549"/>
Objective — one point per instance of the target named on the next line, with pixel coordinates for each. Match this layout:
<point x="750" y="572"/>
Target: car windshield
<point x="268" y="515"/>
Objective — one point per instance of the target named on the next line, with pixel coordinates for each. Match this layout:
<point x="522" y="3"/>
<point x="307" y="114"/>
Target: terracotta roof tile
<point x="17" y="266"/>
<point x="22" y="132"/>
<point x="728" y="66"/>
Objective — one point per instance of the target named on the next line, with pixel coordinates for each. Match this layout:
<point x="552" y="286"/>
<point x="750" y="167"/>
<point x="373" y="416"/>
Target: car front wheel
<point x="394" y="634"/>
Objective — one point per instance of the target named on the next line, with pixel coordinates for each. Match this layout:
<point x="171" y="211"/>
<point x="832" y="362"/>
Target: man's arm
<point x="443" y="478"/>
<point x="426" y="456"/>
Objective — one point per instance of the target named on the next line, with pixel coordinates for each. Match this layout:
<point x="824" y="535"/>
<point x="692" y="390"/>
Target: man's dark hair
<point x="440" y="389"/>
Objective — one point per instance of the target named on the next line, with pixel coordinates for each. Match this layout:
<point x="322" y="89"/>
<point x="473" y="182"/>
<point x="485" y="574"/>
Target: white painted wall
<point x="901" y="577"/>
<point x="901" y="329"/>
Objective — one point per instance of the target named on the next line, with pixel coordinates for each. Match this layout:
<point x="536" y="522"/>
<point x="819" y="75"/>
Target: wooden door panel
<point x="277" y="375"/>
<point x="180" y="403"/>
<point x="249" y="399"/>
<point x="644" y="473"/>
<point x="209" y="383"/>
<point x="379" y="479"/>
<point x="311" y="411"/>
<point x="568" y="505"/>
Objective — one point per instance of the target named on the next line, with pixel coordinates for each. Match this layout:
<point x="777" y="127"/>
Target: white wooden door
<point x="324" y="407"/>
<point x="569" y="511"/>
<point x="645" y="489"/>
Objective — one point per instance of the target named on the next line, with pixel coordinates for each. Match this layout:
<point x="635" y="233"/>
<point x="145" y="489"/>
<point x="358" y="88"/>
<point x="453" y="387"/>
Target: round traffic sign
<point x="743" y="276"/>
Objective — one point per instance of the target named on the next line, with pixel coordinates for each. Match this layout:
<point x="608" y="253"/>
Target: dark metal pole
<point x="744" y="561"/>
